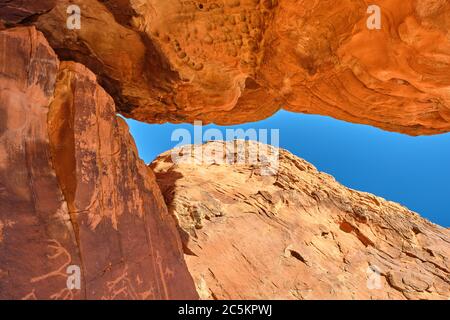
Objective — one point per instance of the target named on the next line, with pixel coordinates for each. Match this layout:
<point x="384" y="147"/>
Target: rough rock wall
<point x="16" y="11"/>
<point x="235" y="61"/>
<point x="73" y="191"/>
<point x="297" y="234"/>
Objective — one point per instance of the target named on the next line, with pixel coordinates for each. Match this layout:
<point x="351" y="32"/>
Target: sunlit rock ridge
<point x="296" y="233"/>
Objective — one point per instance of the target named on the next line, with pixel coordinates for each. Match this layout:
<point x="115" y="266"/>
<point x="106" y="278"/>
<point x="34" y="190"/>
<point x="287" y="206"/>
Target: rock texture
<point x="73" y="191"/>
<point x="297" y="234"/>
<point x="16" y="11"/>
<point x="235" y="61"/>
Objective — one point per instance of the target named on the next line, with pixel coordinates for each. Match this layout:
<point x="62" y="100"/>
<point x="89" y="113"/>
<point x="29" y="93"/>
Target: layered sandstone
<point x="73" y="191"/>
<point x="235" y="61"/>
<point x="296" y="234"/>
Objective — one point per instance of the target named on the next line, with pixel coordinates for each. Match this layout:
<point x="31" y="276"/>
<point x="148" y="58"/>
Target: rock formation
<point x="236" y="61"/>
<point x="17" y="11"/>
<point x="296" y="234"/>
<point x="75" y="197"/>
<point x="73" y="192"/>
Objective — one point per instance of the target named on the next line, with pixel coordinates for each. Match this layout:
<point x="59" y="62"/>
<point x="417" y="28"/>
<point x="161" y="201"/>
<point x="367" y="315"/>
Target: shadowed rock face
<point x="15" y="11"/>
<point x="298" y="234"/>
<point x="73" y="190"/>
<point x="236" y="61"/>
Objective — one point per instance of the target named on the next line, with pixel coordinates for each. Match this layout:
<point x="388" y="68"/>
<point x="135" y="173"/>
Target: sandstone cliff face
<point x="73" y="191"/>
<point x="16" y="11"/>
<point x="298" y="234"/>
<point x="235" y="61"/>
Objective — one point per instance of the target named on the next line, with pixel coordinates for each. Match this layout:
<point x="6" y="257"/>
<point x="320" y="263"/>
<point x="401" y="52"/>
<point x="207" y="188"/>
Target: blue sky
<point x="414" y="171"/>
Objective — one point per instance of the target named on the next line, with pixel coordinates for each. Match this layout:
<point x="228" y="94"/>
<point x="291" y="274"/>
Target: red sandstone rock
<point x="298" y="234"/>
<point x="73" y="190"/>
<point x="228" y="61"/>
<point x="15" y="11"/>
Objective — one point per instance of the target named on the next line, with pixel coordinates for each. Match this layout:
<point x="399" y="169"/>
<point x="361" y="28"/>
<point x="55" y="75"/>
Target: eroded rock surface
<point x="16" y="11"/>
<point x="73" y="191"/>
<point x="297" y="234"/>
<point x="235" y="61"/>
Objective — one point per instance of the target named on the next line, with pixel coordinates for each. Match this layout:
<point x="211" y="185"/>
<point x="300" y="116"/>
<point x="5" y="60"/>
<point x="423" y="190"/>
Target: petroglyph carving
<point x="123" y="288"/>
<point x="59" y="252"/>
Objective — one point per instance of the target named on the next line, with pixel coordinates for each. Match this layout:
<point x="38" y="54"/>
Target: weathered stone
<point x="298" y="234"/>
<point x="16" y="11"/>
<point x="238" y="62"/>
<point x="73" y="190"/>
